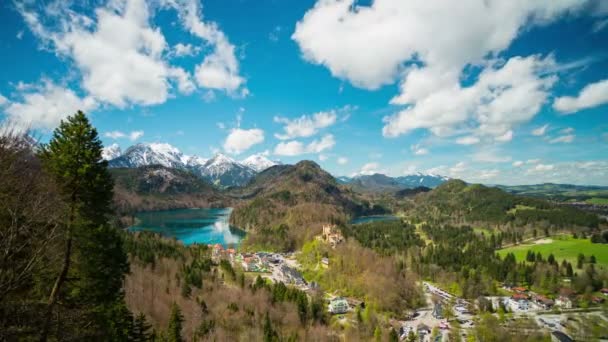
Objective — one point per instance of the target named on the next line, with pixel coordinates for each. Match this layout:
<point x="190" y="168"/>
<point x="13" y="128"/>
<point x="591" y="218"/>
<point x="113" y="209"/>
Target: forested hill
<point x="157" y="188"/>
<point x="287" y="204"/>
<point x="459" y="203"/>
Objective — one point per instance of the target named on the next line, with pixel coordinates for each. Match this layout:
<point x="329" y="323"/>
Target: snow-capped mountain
<point x="225" y="171"/>
<point x="259" y="162"/>
<point x="111" y="152"/>
<point x="149" y="154"/>
<point x="220" y="170"/>
<point x="381" y="182"/>
<point x="421" y="179"/>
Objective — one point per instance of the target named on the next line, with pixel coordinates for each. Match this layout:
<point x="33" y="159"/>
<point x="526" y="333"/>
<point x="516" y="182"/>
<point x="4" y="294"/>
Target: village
<point x="442" y="306"/>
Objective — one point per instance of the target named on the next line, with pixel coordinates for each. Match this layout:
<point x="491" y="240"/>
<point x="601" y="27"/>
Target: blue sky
<point x="488" y="91"/>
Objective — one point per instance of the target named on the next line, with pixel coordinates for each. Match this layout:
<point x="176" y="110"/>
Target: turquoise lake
<point x="204" y="226"/>
<point x="375" y="218"/>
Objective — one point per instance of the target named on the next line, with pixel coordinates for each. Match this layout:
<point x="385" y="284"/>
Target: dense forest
<point x="459" y="203"/>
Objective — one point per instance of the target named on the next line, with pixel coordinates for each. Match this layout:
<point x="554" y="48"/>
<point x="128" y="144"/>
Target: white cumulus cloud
<point x="240" y="140"/>
<point x="592" y="95"/>
<point x="44" y="105"/>
<point x="295" y="147"/>
<point x="309" y="125"/>
<point x="429" y="44"/>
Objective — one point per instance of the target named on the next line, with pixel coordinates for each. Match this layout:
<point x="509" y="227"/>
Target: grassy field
<point x="562" y="247"/>
<point x="598" y="200"/>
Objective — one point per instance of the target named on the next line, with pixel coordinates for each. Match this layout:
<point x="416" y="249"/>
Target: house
<point x="520" y="289"/>
<point x="423" y="329"/>
<point x="438" y="311"/>
<point x="563" y="302"/>
<point x="331" y="235"/>
<point x="597" y="300"/>
<point x="338" y="305"/>
<point x="519" y="302"/>
<point x="604" y="291"/>
<point x="325" y="262"/>
<point x="250" y="264"/>
<point x="544" y="302"/>
<point x="216" y="252"/>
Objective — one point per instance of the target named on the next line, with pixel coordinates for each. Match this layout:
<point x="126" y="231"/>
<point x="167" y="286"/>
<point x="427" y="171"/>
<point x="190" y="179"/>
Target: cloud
<point x="532" y="161"/>
<point x="591" y="95"/>
<point x="121" y="55"/>
<point x="540" y="131"/>
<point x="568" y="138"/>
<point x="342" y="160"/>
<point x="429" y="45"/>
<point x="240" y="140"/>
<point x="3" y="100"/>
<point x="118" y="53"/>
<point x="419" y="150"/>
<point x="323" y="157"/>
<point x="295" y="147"/>
<point x="541" y="168"/>
<point x="370" y="169"/>
<point x="219" y="69"/>
<point x="134" y="135"/>
<point x="503" y="97"/>
<point x="518" y="163"/>
<point x="468" y="140"/>
<point x="308" y="125"/>
<point x="181" y="50"/>
<point x="44" y="106"/>
<point x="490" y="155"/>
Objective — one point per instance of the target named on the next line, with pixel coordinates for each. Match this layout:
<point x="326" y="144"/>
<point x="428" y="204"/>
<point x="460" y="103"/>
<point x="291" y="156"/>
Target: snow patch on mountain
<point x="111" y="152"/>
<point x="259" y="162"/>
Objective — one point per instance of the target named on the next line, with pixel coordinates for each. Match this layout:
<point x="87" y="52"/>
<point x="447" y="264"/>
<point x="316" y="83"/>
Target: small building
<point x="438" y="311"/>
<point x="597" y="300"/>
<point x="604" y="291"/>
<point x="563" y="302"/>
<point x="544" y="302"/>
<point x="338" y="305"/>
<point x="520" y="289"/>
<point x="423" y="330"/>
<point x="519" y="302"/>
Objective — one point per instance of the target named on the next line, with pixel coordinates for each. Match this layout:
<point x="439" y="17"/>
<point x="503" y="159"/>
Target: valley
<point x="401" y="253"/>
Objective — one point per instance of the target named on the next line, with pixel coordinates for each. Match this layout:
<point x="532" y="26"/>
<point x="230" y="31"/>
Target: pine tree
<point x="176" y="321"/>
<point x="141" y="329"/>
<point x="269" y="334"/>
<point x="93" y="257"/>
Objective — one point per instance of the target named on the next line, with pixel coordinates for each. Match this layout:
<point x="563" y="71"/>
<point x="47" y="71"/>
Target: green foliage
<point x="94" y="260"/>
<point x="174" y="328"/>
<point x="455" y="201"/>
<point x="386" y="237"/>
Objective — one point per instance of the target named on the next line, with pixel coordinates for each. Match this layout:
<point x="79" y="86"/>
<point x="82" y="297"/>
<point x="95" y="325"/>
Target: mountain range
<point x="378" y="182"/>
<point x="221" y="170"/>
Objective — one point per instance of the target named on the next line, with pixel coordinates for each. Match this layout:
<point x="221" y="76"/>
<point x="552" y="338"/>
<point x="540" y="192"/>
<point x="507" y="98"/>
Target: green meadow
<point x="562" y="247"/>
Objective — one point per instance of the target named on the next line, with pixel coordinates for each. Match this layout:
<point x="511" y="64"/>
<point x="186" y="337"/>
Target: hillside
<point x="559" y="192"/>
<point x="287" y="204"/>
<point x="158" y="188"/>
<point x="457" y="202"/>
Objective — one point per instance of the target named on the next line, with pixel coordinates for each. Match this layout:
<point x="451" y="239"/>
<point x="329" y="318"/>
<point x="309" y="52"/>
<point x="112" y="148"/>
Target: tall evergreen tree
<point x="141" y="329"/>
<point x="93" y="257"/>
<point x="176" y="321"/>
